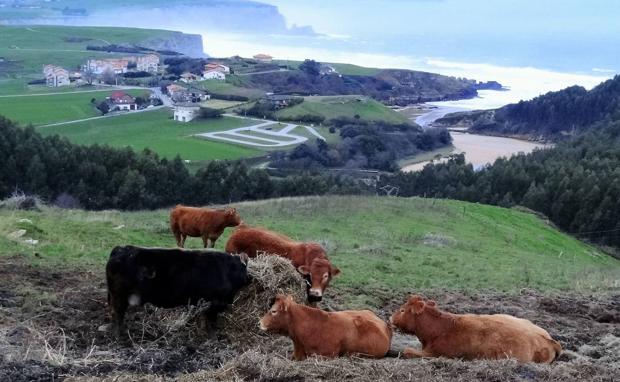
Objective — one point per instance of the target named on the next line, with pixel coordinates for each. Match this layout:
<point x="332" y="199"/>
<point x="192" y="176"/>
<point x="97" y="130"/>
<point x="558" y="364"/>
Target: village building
<point x="56" y="76"/>
<point x="263" y="57"/>
<point x="188" y="77"/>
<point x="185" y="112"/>
<point x="213" y="74"/>
<point x="217" y="66"/>
<point x="180" y="94"/>
<point x="115" y="65"/>
<point x="122" y="101"/>
<point x="147" y="63"/>
<point x="173" y="89"/>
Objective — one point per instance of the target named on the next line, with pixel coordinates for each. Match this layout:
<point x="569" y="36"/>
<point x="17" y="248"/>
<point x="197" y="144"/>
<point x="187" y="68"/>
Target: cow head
<point x="318" y="275"/>
<point x="407" y="317"/>
<point x="277" y="318"/>
<point x="232" y="217"/>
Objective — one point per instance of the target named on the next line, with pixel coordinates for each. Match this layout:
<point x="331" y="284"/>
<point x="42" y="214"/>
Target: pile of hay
<point x="260" y="365"/>
<point x="270" y="275"/>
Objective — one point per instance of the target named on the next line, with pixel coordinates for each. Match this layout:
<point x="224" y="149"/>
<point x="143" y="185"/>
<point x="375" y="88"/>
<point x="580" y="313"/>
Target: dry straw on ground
<point x="270" y="275"/>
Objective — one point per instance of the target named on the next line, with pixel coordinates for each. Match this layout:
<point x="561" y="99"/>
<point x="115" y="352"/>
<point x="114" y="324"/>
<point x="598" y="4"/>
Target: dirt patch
<point x="50" y="323"/>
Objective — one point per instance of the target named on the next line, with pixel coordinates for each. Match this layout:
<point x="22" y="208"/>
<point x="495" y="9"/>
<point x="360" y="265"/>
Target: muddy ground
<point x="52" y="325"/>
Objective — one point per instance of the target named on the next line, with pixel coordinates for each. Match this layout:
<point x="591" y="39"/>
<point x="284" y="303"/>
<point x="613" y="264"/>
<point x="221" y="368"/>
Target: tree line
<point x="101" y="177"/>
<point x="364" y="145"/>
<point x="576" y="184"/>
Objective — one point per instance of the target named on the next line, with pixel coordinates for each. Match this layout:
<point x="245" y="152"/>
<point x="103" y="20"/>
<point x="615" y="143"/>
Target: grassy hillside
<point x="382" y="245"/>
<point x="229" y="88"/>
<point x="347" y="69"/>
<point x="44" y="109"/>
<point x="343" y="106"/>
<point x="157" y="131"/>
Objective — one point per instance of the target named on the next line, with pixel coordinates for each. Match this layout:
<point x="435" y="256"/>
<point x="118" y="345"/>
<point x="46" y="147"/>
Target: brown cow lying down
<point x="207" y="223"/>
<point x="329" y="334"/>
<point x="309" y="258"/>
<point x="472" y="336"/>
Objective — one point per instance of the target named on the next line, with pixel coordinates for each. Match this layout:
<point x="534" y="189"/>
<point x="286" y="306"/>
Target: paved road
<point x="110" y="115"/>
<point x="111" y="87"/>
<point x="237" y="136"/>
<point x="163" y="97"/>
<point x="263" y="72"/>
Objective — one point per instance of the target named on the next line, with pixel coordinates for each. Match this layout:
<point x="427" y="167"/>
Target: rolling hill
<point x="551" y="116"/>
<point x="381" y="244"/>
<point x="26" y="49"/>
<point x="331" y="107"/>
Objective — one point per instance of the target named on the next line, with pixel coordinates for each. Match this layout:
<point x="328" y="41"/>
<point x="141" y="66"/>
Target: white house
<point x="56" y="76"/>
<point x="213" y="74"/>
<point x="185" y="112"/>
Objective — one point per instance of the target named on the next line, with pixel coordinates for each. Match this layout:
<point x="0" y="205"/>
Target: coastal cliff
<point x="187" y="44"/>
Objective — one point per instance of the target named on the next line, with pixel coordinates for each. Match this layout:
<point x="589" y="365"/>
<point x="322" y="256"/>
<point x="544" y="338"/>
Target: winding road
<point x="286" y="138"/>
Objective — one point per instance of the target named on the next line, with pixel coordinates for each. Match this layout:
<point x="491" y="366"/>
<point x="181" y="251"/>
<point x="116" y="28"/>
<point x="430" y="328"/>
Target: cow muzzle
<point x="262" y="326"/>
<point x="315" y="295"/>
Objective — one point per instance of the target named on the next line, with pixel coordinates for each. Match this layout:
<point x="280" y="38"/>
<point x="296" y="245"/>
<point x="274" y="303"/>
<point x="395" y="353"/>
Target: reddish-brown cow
<point x="206" y="223"/>
<point x="329" y="334"/>
<point x="309" y="258"/>
<point x="472" y="336"/>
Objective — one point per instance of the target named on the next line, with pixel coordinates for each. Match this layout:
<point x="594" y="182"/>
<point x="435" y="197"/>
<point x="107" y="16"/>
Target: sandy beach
<point x="481" y="150"/>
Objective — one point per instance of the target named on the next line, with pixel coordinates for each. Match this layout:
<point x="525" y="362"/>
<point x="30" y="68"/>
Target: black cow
<point x="172" y="277"/>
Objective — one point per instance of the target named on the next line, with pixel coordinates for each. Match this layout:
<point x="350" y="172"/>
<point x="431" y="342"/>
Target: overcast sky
<point x="594" y="18"/>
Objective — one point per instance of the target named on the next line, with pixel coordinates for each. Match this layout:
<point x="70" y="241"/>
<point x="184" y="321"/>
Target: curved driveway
<point x="237" y="135"/>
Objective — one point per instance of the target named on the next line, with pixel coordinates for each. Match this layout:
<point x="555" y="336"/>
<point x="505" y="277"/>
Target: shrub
<point x="208" y="112"/>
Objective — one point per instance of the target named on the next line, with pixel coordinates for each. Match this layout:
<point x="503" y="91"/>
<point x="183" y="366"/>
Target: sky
<point x="363" y="17"/>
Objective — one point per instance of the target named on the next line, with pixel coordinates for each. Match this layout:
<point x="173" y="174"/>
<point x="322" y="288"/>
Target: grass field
<point x="17" y="87"/>
<point x="343" y="106"/>
<point x="157" y="131"/>
<point x="220" y="104"/>
<point x="44" y="109"/>
<point x="228" y="88"/>
<point x="348" y="69"/>
<point x="382" y="245"/>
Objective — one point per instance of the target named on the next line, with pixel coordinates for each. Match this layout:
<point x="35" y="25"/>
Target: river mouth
<point x="479" y="150"/>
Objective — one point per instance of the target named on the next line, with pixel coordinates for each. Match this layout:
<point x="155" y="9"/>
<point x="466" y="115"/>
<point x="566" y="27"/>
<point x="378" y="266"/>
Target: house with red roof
<point x="120" y="100"/>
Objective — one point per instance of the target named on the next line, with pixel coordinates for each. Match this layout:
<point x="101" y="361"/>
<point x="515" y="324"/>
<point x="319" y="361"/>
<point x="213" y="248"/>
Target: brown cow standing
<point x="207" y="223"/>
<point x="329" y="334"/>
<point x="309" y="258"/>
<point x="472" y="336"/>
